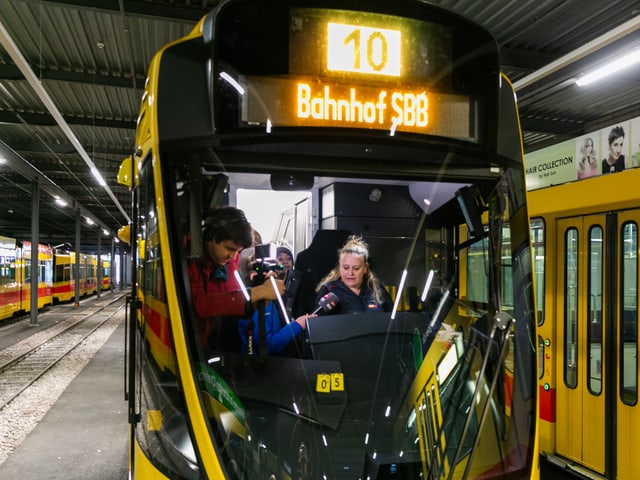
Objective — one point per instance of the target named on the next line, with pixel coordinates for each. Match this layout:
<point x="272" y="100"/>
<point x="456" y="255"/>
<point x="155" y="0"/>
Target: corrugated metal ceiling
<point x="91" y="56"/>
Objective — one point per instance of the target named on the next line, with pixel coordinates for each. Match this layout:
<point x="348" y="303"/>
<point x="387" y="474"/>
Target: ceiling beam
<point x="45" y="120"/>
<point x="588" y="48"/>
<point x="67" y="149"/>
<point x="525" y="61"/>
<point x="186" y="13"/>
<point x="12" y="72"/>
<point x="28" y="171"/>
<point x="15" y="53"/>
<point x="550" y="127"/>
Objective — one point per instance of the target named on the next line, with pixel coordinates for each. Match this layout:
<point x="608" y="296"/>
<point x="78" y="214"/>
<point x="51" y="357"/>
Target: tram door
<point x="626" y="343"/>
<point x="598" y="416"/>
<point x="580" y="415"/>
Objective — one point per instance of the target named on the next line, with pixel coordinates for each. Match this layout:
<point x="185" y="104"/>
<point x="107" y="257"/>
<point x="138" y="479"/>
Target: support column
<point x="112" y="265"/>
<point x="35" y="263"/>
<point x="99" y="273"/>
<point x="78" y="255"/>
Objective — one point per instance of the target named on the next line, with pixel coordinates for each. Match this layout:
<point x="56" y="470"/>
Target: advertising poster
<point x="551" y="166"/>
<point x="612" y="149"/>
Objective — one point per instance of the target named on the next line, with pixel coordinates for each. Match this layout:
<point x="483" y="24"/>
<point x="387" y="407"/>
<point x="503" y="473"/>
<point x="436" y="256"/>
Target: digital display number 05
<point x="358" y="49"/>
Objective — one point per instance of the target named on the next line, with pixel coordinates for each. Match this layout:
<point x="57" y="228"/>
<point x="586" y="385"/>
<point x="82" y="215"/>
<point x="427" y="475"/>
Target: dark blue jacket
<point x="278" y="336"/>
<point x="352" y="303"/>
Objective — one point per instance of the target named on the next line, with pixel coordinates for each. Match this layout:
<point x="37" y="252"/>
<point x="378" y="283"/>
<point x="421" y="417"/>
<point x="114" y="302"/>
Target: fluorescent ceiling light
<point x="610" y="68"/>
<point x="99" y="177"/>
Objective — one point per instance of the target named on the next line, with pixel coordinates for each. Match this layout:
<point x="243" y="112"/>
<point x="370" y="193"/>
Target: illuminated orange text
<point x="390" y="109"/>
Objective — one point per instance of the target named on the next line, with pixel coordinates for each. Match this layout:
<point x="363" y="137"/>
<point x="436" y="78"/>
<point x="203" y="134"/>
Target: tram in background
<point x="64" y="278"/>
<point x="15" y="277"/>
<point x="585" y="248"/>
<point x="55" y="276"/>
<point x="105" y="282"/>
<point x="398" y="122"/>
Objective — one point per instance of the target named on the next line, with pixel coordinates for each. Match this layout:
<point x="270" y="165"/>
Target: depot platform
<point x="84" y="434"/>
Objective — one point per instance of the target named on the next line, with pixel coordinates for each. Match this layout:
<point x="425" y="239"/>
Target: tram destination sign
<point x="361" y="71"/>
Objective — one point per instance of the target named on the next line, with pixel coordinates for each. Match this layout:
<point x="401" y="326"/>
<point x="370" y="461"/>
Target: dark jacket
<point x="352" y="303"/>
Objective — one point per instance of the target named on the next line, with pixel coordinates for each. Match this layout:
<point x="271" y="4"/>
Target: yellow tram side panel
<point x="587" y="196"/>
<point x="144" y="468"/>
<point x="105" y="282"/>
<point x="9" y="287"/>
<point x="82" y="287"/>
<point x="423" y="400"/>
<point x="146" y="142"/>
<point x="15" y="277"/>
<point x="158" y="334"/>
<point x="583" y="197"/>
<point x="91" y="274"/>
<point x="64" y="287"/>
<point x="627" y="447"/>
<point x="9" y="292"/>
<point x="9" y="296"/>
<point x="82" y="278"/>
<point x="425" y="389"/>
<point x="155" y="314"/>
<point x="45" y="285"/>
<point x="548" y="345"/>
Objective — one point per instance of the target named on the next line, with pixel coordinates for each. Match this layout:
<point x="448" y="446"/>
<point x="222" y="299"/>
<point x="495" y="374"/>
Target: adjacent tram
<point x="15" y="277"/>
<point x="585" y="247"/>
<point x="396" y="119"/>
<point x="65" y="277"/>
<point x="56" y="276"/>
<point x="105" y="282"/>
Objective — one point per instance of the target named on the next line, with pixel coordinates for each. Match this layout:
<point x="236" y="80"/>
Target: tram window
<point x="537" y="227"/>
<point x="27" y="270"/>
<point x="629" y="314"/>
<point x="571" y="308"/>
<point x="506" y="270"/>
<point x="7" y="273"/>
<point x="477" y="272"/>
<point x="59" y="273"/>
<point x="594" y="296"/>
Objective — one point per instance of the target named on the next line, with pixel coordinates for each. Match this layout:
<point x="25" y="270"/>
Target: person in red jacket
<point x="217" y="296"/>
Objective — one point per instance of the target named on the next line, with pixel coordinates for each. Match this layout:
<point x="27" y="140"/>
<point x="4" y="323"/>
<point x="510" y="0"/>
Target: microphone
<point x="326" y="303"/>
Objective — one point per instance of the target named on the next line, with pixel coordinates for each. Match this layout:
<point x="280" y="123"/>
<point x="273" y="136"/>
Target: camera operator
<point x="285" y="258"/>
<point x="280" y="336"/>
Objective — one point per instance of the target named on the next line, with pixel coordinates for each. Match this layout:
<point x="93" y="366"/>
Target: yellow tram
<point x="15" y="276"/>
<point x="584" y="234"/>
<point x="394" y="116"/>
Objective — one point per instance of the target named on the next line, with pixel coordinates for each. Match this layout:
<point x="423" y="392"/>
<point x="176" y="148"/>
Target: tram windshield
<point x="367" y="395"/>
<point x="412" y="146"/>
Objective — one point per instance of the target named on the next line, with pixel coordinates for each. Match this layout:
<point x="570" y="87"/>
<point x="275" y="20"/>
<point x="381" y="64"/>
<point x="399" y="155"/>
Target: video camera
<point x="265" y="262"/>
